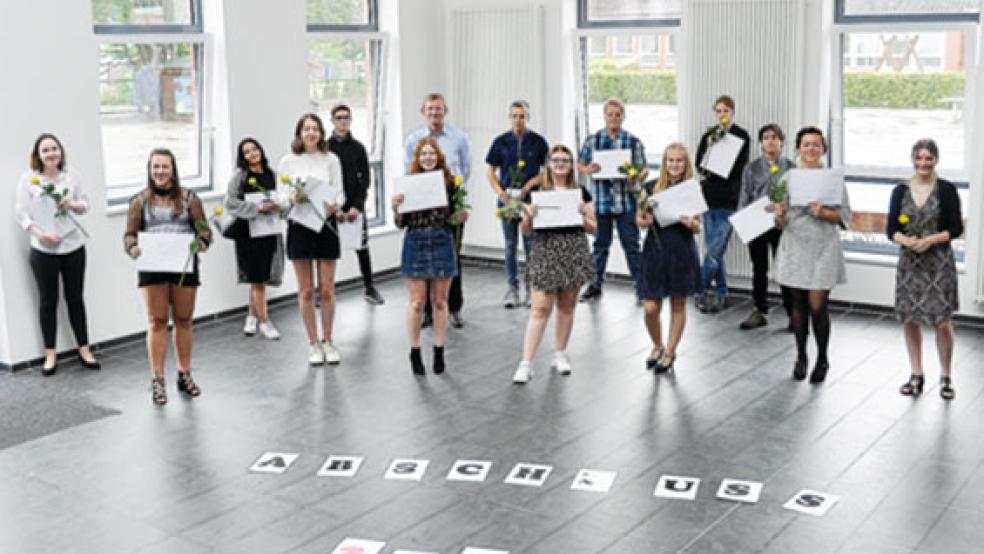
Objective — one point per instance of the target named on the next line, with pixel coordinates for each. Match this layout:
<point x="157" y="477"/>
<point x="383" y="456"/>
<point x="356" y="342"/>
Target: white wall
<point x="258" y="82"/>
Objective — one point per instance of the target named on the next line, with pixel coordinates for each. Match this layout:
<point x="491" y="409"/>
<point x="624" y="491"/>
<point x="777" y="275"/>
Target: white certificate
<point x="679" y="200"/>
<point x="350" y="234"/>
<point x="610" y="161"/>
<point x="263" y="225"/>
<point x="720" y="157"/>
<point x="823" y="185"/>
<point x="164" y="252"/>
<point x="306" y="213"/>
<point x="421" y="191"/>
<point x="557" y="208"/>
<point x="752" y="220"/>
<point x="44" y="212"/>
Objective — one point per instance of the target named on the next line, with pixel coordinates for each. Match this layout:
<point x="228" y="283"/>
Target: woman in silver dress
<point x="810" y="259"/>
<point x="923" y="217"/>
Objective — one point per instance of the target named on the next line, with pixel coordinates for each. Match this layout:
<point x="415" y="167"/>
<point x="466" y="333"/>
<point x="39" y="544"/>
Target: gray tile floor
<point x="130" y="477"/>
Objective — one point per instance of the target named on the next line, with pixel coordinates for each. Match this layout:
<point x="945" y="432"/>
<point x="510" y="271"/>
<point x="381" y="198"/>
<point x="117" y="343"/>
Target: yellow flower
<point x="218" y="210"/>
<point x="521" y="164"/>
<point x="774" y="168"/>
<point x="633" y="172"/>
<point x="35" y="180"/>
<point x="904" y="219"/>
<point x="458" y="180"/>
<point x="724" y="121"/>
<point x="251" y="180"/>
<point x="284" y="179"/>
<point x="499" y="212"/>
<point x="627" y="164"/>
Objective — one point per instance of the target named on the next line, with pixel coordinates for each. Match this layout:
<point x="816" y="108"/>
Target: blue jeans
<point x="510" y="230"/>
<point x="628" y="235"/>
<point x="717" y="232"/>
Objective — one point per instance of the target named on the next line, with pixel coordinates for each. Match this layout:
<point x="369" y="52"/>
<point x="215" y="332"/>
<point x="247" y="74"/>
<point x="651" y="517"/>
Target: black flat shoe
<point x="799" y="369"/>
<point x="819" y="372"/>
<point x="665" y="362"/>
<point x="47" y="371"/>
<point x="653" y="360"/>
<point x="94" y="364"/>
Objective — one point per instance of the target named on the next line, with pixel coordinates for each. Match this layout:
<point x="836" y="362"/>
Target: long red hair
<point x="442" y="162"/>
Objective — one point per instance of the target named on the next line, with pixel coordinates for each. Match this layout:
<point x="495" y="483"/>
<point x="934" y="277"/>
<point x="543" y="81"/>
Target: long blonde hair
<point x="664" y="174"/>
<point x="548" y="182"/>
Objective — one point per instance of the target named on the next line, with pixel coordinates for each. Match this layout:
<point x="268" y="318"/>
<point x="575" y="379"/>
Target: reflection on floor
<point x="909" y="474"/>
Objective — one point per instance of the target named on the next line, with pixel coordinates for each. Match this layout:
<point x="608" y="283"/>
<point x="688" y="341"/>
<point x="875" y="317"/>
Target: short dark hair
<point x="36" y="163"/>
<point x="241" y="162"/>
<point x="726" y="100"/>
<point x="775" y="128"/>
<point x="926" y="144"/>
<point x="297" y="146"/>
<point x="340" y="108"/>
<point x="521" y="104"/>
<point x="811" y="130"/>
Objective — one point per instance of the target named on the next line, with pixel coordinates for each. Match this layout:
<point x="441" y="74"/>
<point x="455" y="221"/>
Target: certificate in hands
<point x="720" y="157"/>
<point x="306" y="213"/>
<point x="44" y="212"/>
<point x="679" y="200"/>
<point x="752" y="221"/>
<point x="610" y="161"/>
<point x="557" y="208"/>
<point x="263" y="225"/>
<point x="823" y="185"/>
<point x="421" y="191"/>
<point x="350" y="234"/>
<point x="163" y="252"/>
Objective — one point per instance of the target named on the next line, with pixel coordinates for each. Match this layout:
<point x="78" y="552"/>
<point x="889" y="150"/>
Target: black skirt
<point x="305" y="244"/>
<point x="149" y="278"/>
<point x="254" y="256"/>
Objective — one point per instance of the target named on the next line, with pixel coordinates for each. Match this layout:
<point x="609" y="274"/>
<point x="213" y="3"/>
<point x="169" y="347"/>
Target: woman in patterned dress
<point x="559" y="264"/>
<point x="670" y="266"/>
<point x="923" y="217"/>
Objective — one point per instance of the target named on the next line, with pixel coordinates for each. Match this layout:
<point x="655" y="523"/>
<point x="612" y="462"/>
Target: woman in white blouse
<point x="49" y="197"/>
<point x="311" y="177"/>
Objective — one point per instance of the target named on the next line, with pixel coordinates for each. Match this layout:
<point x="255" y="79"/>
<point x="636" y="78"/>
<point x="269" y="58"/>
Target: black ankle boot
<point x="438" y="360"/>
<point x="819" y="372"/>
<point x="799" y="369"/>
<point x="416" y="361"/>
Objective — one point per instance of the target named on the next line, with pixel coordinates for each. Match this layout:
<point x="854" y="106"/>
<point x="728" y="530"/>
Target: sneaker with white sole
<point x="561" y="364"/>
<point x="332" y="355"/>
<point x="249" y="328"/>
<point x="268" y="331"/>
<point x="523" y="373"/>
<point x="316" y="354"/>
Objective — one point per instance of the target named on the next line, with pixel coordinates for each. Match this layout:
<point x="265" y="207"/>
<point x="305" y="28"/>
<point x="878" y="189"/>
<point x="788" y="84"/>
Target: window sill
<point x="884" y="260"/>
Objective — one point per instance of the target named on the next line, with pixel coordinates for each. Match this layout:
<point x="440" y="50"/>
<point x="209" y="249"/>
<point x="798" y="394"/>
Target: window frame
<point x="135" y="29"/>
<point x="205" y="179"/>
<point x="584" y="22"/>
<point x="842" y="18"/>
<point x="372" y="25"/>
<point x="377" y="149"/>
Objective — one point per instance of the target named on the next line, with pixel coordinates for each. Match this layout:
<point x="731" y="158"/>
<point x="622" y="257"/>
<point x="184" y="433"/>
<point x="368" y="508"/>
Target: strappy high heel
<point x="914" y="386"/>
<point x="187" y="385"/>
<point x="665" y="362"/>
<point x="653" y="360"/>
<point x="946" y="389"/>
<point x="158" y="391"/>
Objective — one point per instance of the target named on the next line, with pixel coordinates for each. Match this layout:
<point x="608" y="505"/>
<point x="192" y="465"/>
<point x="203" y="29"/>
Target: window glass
<point x="142" y="12"/>
<point x="622" y="10"/>
<point x="338" y="12"/>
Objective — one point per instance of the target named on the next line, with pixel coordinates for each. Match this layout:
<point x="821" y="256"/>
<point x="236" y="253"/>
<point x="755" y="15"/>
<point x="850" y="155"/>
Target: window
<point x="620" y="13"/>
<point x="348" y="70"/>
<point x="645" y="79"/>
<point x="899" y="84"/>
<point x="906" y="10"/>
<point x="151" y="91"/>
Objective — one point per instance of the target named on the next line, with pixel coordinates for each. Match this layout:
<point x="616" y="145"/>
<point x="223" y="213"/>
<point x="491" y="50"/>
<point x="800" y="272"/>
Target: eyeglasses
<point x="343" y="118"/>
<point x="560" y="160"/>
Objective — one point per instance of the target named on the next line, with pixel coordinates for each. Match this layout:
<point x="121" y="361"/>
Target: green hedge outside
<point x="861" y="89"/>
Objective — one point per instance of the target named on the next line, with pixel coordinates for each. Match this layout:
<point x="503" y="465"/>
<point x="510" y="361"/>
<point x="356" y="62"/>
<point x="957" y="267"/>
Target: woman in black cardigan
<point x="923" y="217"/>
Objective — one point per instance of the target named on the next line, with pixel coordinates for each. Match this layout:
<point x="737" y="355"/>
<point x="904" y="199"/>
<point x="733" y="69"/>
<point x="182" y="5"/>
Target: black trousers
<point x="758" y="250"/>
<point x="455" y="297"/>
<point x="365" y="260"/>
<point x="71" y="267"/>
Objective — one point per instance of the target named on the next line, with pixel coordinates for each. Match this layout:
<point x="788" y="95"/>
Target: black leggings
<point x="814" y="303"/>
<point x="71" y="267"/>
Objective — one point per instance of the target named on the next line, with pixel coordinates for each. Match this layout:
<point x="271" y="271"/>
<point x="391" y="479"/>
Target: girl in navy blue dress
<point x="670" y="266"/>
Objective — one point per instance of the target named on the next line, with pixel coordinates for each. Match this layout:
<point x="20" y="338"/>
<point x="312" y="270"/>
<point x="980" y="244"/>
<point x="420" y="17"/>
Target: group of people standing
<point x="924" y="216"/>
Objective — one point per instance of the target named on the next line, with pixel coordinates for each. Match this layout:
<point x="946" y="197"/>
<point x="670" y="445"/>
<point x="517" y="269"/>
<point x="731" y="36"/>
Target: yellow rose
<point x="251" y="180"/>
<point x="521" y="164"/>
<point x="458" y="180"/>
<point x="218" y="210"/>
<point x="724" y="121"/>
<point x="499" y="212"/>
<point x="774" y="169"/>
<point x="633" y="172"/>
<point x="35" y="180"/>
<point x="904" y="219"/>
<point x="284" y="179"/>
<point x="627" y="164"/>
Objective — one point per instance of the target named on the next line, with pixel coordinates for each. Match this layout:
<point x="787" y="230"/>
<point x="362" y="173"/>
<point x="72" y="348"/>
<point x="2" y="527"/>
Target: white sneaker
<point x="561" y="363"/>
<point x="332" y="355"/>
<point x="523" y="373"/>
<point x="316" y="355"/>
<point x="268" y="331"/>
<point x="249" y="328"/>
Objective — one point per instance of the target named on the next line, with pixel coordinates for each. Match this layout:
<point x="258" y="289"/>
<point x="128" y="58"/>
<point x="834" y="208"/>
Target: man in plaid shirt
<point x="614" y="206"/>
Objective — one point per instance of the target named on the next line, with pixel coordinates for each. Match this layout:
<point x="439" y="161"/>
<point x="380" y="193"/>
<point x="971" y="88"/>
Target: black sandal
<point x="187" y="385"/>
<point x="914" y="386"/>
<point x="946" y="389"/>
<point x="158" y="391"/>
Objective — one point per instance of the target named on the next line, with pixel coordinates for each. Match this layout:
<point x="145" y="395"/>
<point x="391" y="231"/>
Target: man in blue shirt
<point x="457" y="152"/>
<point x="521" y="151"/>
<point x="614" y="204"/>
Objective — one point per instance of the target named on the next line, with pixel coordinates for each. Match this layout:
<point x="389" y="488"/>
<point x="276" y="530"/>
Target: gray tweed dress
<point x="810" y="256"/>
